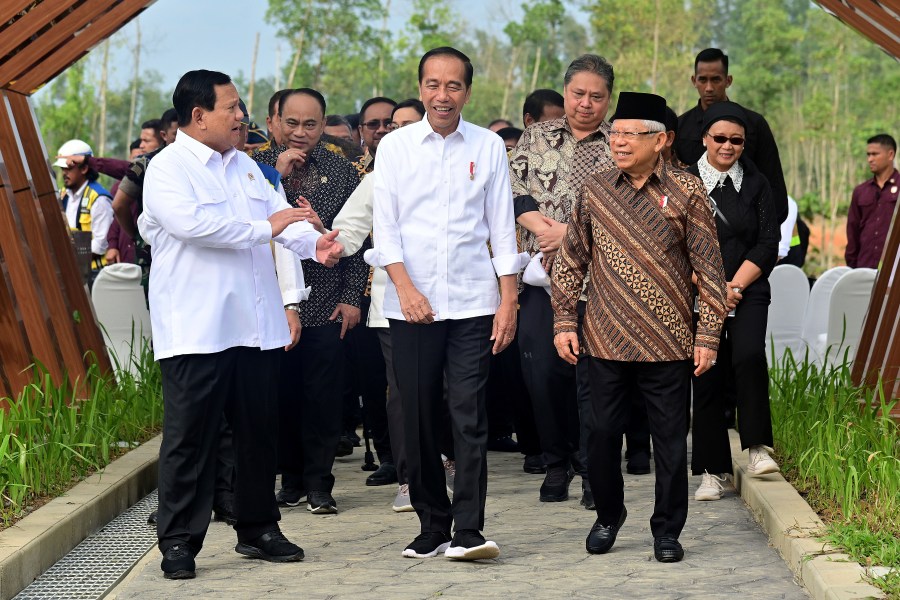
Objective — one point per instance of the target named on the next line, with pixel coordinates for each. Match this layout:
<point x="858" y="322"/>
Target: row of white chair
<point x="826" y="321"/>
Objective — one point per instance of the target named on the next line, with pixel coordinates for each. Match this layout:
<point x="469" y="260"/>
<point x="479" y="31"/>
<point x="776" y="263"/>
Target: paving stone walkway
<point x="356" y="553"/>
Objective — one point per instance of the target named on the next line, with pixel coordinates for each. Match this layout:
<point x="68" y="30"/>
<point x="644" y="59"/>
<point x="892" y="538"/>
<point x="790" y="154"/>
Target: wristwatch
<point x="294" y="307"/>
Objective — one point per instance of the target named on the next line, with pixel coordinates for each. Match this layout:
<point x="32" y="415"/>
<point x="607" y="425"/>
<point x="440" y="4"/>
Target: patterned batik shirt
<point x="547" y="168"/>
<point x="326" y="180"/>
<point x="640" y="247"/>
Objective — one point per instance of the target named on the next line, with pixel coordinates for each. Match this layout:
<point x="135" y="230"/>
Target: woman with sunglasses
<point x="748" y="235"/>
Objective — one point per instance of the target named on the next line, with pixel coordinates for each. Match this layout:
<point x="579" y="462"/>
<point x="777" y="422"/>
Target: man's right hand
<point x="289" y="160"/>
<point x="414" y="306"/>
<point x="567" y="346"/>
<point x="281" y="219"/>
<point x="112" y="256"/>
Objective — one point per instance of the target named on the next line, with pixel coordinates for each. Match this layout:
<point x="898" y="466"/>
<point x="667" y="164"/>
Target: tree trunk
<point x="537" y="67"/>
<point x="300" y="38"/>
<point x="504" y="109"/>
<point x="653" y="68"/>
<point x="103" y="87"/>
<point x="134" y="82"/>
<point x="252" y="77"/>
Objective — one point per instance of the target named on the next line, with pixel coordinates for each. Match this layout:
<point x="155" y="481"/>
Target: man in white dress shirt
<point x="442" y="192"/>
<point x="218" y="321"/>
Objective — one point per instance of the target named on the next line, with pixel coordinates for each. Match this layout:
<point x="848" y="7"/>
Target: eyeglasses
<point x="374" y="124"/>
<point x="631" y="135"/>
<point x="721" y="139"/>
<point x="396" y="125"/>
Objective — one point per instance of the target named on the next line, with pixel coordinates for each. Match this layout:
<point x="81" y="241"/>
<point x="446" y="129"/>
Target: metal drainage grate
<point x="98" y="563"/>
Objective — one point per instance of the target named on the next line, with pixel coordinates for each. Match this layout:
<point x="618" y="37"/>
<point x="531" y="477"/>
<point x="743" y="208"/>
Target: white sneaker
<point x="710" y="487"/>
<point x="402" y="503"/>
<point x="450" y="473"/>
<point x="760" y="461"/>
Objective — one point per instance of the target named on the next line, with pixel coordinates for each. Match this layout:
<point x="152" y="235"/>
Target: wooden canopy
<point x="45" y="312"/>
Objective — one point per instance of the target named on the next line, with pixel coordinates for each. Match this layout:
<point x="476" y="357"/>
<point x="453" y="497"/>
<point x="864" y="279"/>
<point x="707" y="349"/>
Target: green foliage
<point x="50" y="438"/>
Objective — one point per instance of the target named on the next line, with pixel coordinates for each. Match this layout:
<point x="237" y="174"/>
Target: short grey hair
<point x="591" y="63"/>
<point x="654" y="126"/>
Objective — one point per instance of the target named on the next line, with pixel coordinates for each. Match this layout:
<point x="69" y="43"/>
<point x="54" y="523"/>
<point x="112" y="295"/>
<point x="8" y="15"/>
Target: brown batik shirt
<point x="640" y="247"/>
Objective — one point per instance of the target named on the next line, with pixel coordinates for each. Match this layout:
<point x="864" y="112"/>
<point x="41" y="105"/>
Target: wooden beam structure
<point x="45" y="311"/>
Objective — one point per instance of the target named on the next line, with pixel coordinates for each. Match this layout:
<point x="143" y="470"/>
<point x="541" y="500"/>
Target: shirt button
<point x="259" y="300"/>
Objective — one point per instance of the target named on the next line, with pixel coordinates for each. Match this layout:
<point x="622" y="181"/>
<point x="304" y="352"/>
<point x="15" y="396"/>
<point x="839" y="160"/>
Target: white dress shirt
<point x="438" y="201"/>
<point x="355" y="224"/>
<point x="213" y="285"/>
<point x="101" y="217"/>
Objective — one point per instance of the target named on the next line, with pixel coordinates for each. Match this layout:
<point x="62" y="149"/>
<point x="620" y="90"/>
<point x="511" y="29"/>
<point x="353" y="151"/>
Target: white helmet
<point x="72" y="148"/>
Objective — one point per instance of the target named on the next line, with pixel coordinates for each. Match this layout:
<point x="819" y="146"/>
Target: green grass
<point x="50" y="439"/>
<point x="840" y="448"/>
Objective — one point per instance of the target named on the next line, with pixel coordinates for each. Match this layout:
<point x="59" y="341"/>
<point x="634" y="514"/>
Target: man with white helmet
<point x="86" y="204"/>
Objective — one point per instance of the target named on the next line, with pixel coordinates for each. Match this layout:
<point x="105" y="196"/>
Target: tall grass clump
<point x="50" y="438"/>
<point x="839" y="446"/>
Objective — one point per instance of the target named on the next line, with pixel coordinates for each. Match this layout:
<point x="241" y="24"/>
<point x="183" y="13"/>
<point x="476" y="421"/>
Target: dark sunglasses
<point x="375" y="123"/>
<point x="721" y="139"/>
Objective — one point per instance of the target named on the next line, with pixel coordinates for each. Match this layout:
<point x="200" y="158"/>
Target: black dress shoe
<point x="587" y="496"/>
<point x="503" y="444"/>
<point x="223" y="509"/>
<point x="667" y="549"/>
<point x="178" y="562"/>
<point x="344" y="447"/>
<point x="151" y="518"/>
<point x="534" y="464"/>
<point x="272" y="546"/>
<point x="638" y="464"/>
<point x="602" y="537"/>
<point x="556" y="484"/>
<point x="385" y="475"/>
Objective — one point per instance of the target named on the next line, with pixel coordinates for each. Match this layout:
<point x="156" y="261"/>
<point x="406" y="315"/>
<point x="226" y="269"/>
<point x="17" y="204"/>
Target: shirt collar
<point x="658" y="172"/>
<point x="892" y="180"/>
<point x="423" y="129"/>
<point x="77" y="193"/>
<point x="201" y="150"/>
<point x="712" y="177"/>
<point x="602" y="129"/>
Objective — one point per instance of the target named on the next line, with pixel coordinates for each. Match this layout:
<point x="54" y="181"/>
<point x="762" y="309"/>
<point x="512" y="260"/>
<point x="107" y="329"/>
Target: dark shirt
<point x="326" y="181"/>
<point x="640" y="247"/>
<point x="112" y="167"/>
<point x="751" y="233"/>
<point x="117" y="238"/>
<point x="868" y="221"/>
<point x="759" y="147"/>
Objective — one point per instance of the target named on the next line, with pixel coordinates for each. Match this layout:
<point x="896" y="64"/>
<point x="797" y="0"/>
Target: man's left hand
<point x="328" y="250"/>
<point x="704" y="359"/>
<point x="551" y="239"/>
<point x="504" y="329"/>
<point x="293" y="319"/>
<point x="349" y="314"/>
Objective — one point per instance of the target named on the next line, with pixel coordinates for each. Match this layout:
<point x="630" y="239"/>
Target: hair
<point x="410" y="103"/>
<point x="671" y="120"/>
<point x="336" y="120"/>
<point x="169" y="117"/>
<point x="506" y="121"/>
<point x="197" y="89"/>
<point x="448" y="51"/>
<point x="591" y="63"/>
<point x="885" y="140"/>
<point x="711" y="55"/>
<point x="654" y="126"/>
<point x="537" y="100"/>
<point x="135" y="144"/>
<point x="92" y="175"/>
<point x="155" y="124"/>
<point x="274" y="101"/>
<point x="734" y="120"/>
<point x="510" y="133"/>
<point x="353" y="119"/>
<point x="314" y="94"/>
<point x="375" y="100"/>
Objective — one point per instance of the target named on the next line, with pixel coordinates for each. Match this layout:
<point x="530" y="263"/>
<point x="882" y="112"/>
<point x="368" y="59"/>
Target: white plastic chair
<point x="847" y="312"/>
<point x="815" y="323"/>
<point x="790" y="294"/>
<point x="122" y="312"/>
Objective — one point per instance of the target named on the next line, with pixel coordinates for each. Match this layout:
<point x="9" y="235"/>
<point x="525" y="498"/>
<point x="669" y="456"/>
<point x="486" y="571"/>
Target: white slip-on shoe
<point x="468" y="544"/>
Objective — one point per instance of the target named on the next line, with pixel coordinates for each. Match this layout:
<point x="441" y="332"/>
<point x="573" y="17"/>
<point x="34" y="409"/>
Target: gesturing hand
<point x="349" y="314"/>
<point x="312" y="216"/>
<point x="289" y="160"/>
<point x="281" y="219"/>
<point x="567" y="346"/>
<point x="328" y="251"/>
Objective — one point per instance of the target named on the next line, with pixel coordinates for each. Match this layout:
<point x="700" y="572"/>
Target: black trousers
<point x="742" y="354"/>
<point x="198" y="389"/>
<point x="369" y="370"/>
<point x="422" y="354"/>
<point x="310" y="398"/>
<point x="393" y="406"/>
<point x="551" y="381"/>
<point x="663" y="386"/>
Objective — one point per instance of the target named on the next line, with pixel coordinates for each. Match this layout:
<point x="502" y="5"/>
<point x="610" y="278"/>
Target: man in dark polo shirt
<point x="873" y="204"/>
<point x="712" y="81"/>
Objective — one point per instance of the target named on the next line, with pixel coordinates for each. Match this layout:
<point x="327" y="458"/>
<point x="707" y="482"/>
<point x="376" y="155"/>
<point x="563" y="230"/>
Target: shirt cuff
<point x="295" y="296"/>
<point x="382" y="256"/>
<point x="510" y="264"/>
<point x="707" y="339"/>
<point x="524" y="204"/>
<point x="262" y="232"/>
<point x="565" y="324"/>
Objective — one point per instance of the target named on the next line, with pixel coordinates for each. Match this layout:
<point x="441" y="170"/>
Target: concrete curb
<point x="791" y="526"/>
<point x="35" y="543"/>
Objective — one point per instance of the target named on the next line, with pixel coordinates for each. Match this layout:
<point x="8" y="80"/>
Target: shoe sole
<point x="184" y="574"/>
<point x="321" y="510"/>
<point x="408" y="553"/>
<point x="485" y="551"/>
<point x="371" y="483"/>
<point x="554" y="498"/>
<point x="254" y="552"/>
<point x="403" y="509"/>
<point x="767" y="471"/>
<point x="670" y="558"/>
<point x="534" y="471"/>
<point x="638" y="471"/>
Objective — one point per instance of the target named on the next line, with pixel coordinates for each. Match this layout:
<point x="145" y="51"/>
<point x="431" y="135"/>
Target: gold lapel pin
<point x="251" y="177"/>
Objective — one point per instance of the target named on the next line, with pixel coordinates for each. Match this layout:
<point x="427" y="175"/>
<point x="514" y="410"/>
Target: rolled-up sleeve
<point x="500" y="217"/>
<point x="300" y="238"/>
<point x="388" y="244"/>
<point x="290" y="275"/>
<point x="354" y="221"/>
